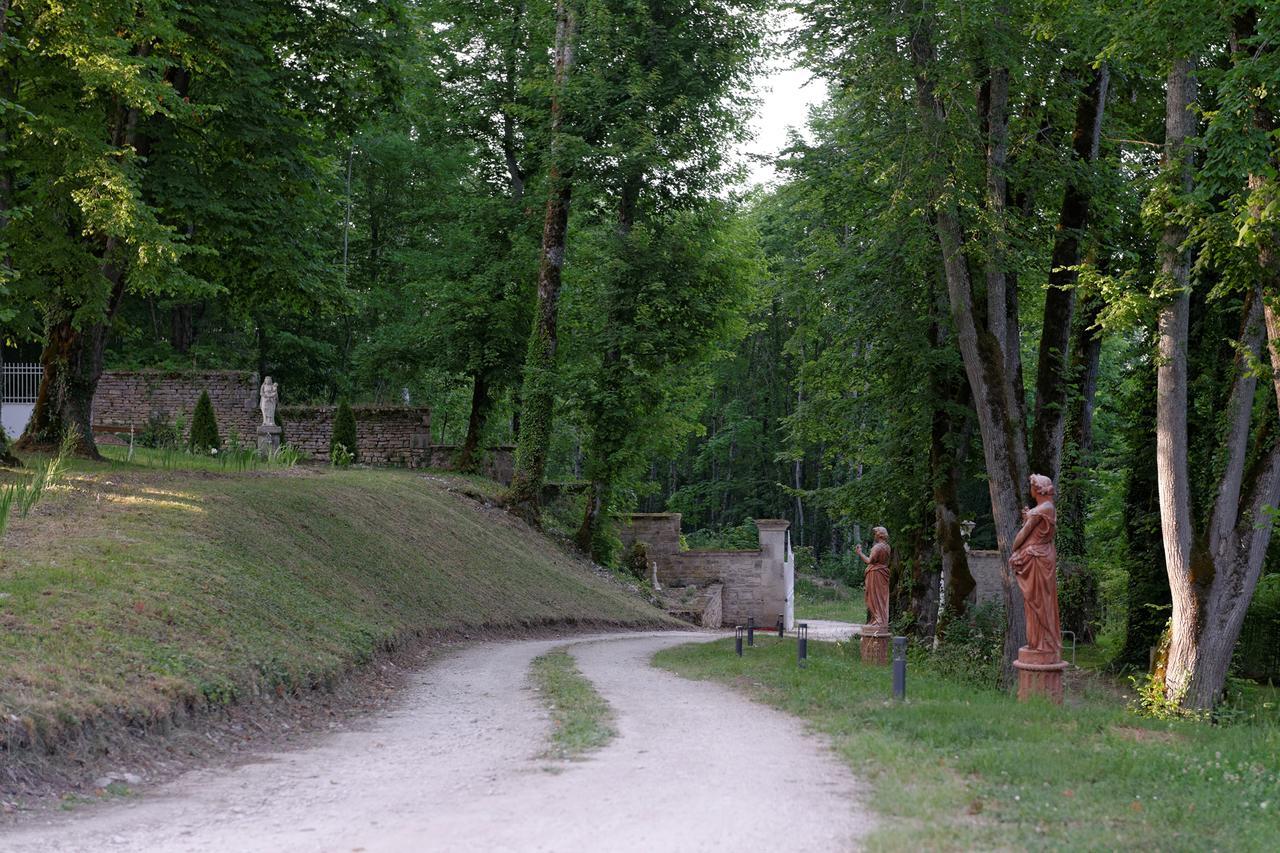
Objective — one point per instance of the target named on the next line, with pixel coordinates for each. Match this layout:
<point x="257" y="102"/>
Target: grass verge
<point x="829" y="600"/>
<point x="129" y="597"/>
<point x="583" y="721"/>
<point x="957" y="767"/>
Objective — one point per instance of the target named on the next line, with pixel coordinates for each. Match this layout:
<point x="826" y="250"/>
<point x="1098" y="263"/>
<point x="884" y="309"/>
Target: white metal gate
<point x="19" y="385"/>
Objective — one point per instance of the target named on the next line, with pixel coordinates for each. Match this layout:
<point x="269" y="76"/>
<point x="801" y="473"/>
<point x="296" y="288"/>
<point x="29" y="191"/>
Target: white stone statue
<point x="267" y="398"/>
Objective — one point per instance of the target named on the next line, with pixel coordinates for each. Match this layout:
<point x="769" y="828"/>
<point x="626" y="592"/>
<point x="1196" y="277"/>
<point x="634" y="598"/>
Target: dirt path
<point x="455" y="766"/>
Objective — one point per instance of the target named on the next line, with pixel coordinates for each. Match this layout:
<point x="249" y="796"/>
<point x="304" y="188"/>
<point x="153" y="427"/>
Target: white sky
<point x="786" y="94"/>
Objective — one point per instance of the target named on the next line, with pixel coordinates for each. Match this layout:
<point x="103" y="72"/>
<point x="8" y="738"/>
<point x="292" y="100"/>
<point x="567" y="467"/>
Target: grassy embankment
<point x="582" y="720"/>
<point x="963" y="768"/>
<point x="131" y="594"/>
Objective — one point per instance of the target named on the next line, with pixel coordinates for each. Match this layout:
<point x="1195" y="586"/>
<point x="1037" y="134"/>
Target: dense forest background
<point x="981" y="259"/>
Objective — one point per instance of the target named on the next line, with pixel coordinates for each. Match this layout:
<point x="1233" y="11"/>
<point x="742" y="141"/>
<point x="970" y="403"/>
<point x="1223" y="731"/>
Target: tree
<point x="204" y="427"/>
<point x="1214" y="559"/>
<point x="538" y="391"/>
<point x="343" y="439"/>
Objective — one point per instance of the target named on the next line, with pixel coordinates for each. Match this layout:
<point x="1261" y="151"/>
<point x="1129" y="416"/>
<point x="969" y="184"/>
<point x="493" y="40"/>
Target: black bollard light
<point x="802" y="644"/>
<point x="751" y="630"/>
<point x="782" y="626"/>
<point x="899" y="667"/>
<point x="737" y="640"/>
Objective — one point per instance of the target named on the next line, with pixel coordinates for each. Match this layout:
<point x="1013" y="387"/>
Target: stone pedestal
<point x="1039" y="674"/>
<point x="268" y="439"/>
<point x="875" y="646"/>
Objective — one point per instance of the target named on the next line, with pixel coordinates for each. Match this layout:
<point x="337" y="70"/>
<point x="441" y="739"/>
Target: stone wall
<point x="129" y="399"/>
<point x="985" y="568"/>
<point x="385" y="435"/>
<point x="754" y="584"/>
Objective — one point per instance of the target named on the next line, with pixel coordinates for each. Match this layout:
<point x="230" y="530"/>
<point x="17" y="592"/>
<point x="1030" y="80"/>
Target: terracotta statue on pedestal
<point x="1035" y="563"/>
<point x="877" y="579"/>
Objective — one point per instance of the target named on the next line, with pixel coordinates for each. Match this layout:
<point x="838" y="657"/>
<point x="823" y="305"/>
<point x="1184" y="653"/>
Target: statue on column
<point x="877" y="579"/>
<point x="1035" y="563"/>
<point x="267" y="399"/>
<point x="268" y="432"/>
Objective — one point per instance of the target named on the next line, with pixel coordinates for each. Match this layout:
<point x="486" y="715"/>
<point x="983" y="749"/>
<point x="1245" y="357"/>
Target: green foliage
<point x="741" y="537"/>
<point x="159" y="432"/>
<point x="971" y="651"/>
<point x="342" y="442"/>
<point x="204" y="427"/>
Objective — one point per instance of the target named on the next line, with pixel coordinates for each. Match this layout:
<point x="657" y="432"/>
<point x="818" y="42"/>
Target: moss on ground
<point x="962" y="768"/>
<point x="130" y="592"/>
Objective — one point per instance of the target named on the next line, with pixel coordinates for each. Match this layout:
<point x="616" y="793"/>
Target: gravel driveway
<point x="457" y="766"/>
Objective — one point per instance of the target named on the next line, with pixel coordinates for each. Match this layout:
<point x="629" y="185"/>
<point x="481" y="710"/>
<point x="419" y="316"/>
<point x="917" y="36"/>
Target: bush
<point x="636" y="561"/>
<point x="204" y="427"/>
<point x="344" y="435"/>
<point x="846" y="568"/>
<point x="973" y="646"/>
<point x="160" y="434"/>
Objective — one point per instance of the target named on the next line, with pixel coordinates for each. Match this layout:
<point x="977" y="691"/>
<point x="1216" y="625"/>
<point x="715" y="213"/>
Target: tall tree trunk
<point x="1172" y="474"/>
<point x="1053" y="386"/>
<point x="946" y="453"/>
<point x="467" y="457"/>
<point x="990" y="350"/>
<point x="538" y="394"/>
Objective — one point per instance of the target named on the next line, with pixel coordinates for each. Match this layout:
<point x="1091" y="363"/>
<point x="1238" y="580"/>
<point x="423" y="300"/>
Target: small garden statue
<point x="875" y="634"/>
<point x="268" y="432"/>
<point x="1035" y="564"/>
<point x="267" y="399"/>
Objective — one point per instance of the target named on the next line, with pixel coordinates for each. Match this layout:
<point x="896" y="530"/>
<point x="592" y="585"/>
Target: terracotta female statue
<point x="877" y="582"/>
<point x="1035" y="563"/>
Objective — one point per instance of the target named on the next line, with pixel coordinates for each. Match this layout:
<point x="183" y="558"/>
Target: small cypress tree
<point x="344" y="431"/>
<point x="204" y="427"/>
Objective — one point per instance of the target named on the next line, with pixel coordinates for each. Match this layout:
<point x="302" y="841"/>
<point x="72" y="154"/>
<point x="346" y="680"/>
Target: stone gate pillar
<point x="776" y="579"/>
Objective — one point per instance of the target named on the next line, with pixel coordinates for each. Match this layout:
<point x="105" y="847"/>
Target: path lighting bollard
<point x="782" y="626"/>
<point x="737" y="640"/>
<point x="899" y="667"/>
<point x="802" y="644"/>
<point x="751" y="630"/>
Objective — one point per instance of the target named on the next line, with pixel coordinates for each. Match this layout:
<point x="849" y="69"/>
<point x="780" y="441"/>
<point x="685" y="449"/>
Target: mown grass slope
<point x="130" y="593"/>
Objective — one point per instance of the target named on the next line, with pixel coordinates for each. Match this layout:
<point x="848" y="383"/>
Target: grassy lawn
<point x="582" y="718"/>
<point x="959" y="768"/>
<point x="130" y="592"/>
<point x="839" y="603"/>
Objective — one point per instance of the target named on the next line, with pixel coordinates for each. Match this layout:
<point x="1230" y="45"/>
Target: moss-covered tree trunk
<point x="72" y="366"/>
<point x="538" y="393"/>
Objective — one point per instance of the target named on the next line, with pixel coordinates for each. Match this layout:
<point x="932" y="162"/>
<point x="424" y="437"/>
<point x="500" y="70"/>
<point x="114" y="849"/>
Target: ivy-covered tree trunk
<point x="1053" y="377"/>
<point x="538" y="392"/>
<point x="72" y="363"/>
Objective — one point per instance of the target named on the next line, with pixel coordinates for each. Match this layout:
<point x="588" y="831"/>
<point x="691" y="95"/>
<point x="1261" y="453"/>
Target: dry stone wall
<point x="129" y="399"/>
<point x="385" y="435"/>
<point x="752" y="581"/>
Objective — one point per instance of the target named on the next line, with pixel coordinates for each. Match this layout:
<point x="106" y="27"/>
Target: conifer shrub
<point x="204" y="427"/>
<point x="342" y="444"/>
